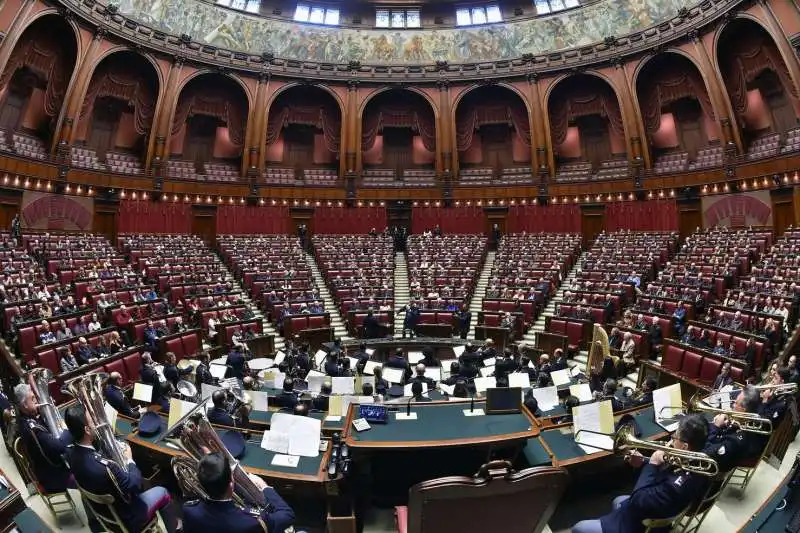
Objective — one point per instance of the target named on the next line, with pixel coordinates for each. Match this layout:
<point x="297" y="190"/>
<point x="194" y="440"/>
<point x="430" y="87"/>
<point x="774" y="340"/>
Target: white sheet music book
<point x="547" y="397"/>
<point x="275" y="379"/>
<point x="353" y="362"/>
<point x="293" y="435"/>
<point x="279" y="357"/>
<point x="218" y="371"/>
<point x="519" y="379"/>
<point x="582" y="392"/>
<point x="574" y="371"/>
<point x="315" y="382"/>
<point x="143" y="392"/>
<point x="319" y="357"/>
<point x="369" y="351"/>
<point x="259" y="399"/>
<point x="415" y="357"/>
<point x="219" y="360"/>
<point x="458" y="350"/>
<point x="489" y="361"/>
<point x="446" y="363"/>
<point x="721" y="399"/>
<point x="487" y="371"/>
<point x="481" y="384"/>
<point x="393" y="375"/>
<point x="433" y="372"/>
<point x="343" y="385"/>
<point x="160" y="371"/>
<point x="370" y="367"/>
<point x="260" y="363"/>
<point x="560" y="377"/>
<point x="207" y="390"/>
<point x="667" y="405"/>
<point x="177" y="410"/>
<point x="407" y="389"/>
<point x="597" y="417"/>
<point x="448" y="389"/>
<point x="314" y="373"/>
<point x="111" y="415"/>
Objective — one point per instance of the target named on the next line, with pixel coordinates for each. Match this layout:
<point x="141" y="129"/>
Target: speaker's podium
<point x="500" y="336"/>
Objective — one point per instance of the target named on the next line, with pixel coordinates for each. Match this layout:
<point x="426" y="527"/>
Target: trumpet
<point x="750" y="422"/>
<point x="778" y="390"/>
<point x="695" y="462"/>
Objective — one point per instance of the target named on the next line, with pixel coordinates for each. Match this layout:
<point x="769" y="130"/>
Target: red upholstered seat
<point x="427" y="318"/>
<point x="709" y="369"/>
<point x="737" y="374"/>
<point x="739" y="344"/>
<point x="138" y="331"/>
<point x="133" y="366"/>
<point x="528" y="308"/>
<point x="507" y="306"/>
<point x="55" y="391"/>
<point x="724" y="337"/>
<point x="48" y="359"/>
<point x="27" y="339"/>
<point x="691" y="364"/>
<point x="175" y="346"/>
<point x="118" y="366"/>
<point x="317" y="321"/>
<point x="574" y="333"/>
<point x="191" y="345"/>
<point x="358" y="319"/>
<point x="558" y="326"/>
<point x="673" y="358"/>
<point x="299" y="323"/>
<point x="489" y="305"/>
<point x="491" y="320"/>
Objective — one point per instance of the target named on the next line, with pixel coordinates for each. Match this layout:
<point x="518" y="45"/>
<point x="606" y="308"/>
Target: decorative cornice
<point x="651" y="40"/>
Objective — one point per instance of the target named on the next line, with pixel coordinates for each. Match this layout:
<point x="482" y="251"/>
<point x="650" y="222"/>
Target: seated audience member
<point x="115" y="396"/>
<point x="46" y="336"/>
<point x="724" y="378"/>
<point x="66" y="361"/>
<point x="115" y="344"/>
<point x="85" y="353"/>
<point x="219" y="513"/>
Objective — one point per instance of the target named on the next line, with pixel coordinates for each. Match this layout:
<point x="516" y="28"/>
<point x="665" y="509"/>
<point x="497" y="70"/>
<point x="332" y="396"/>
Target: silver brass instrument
<point x="88" y="391"/>
<point x="695" y="462"/>
<point x="750" y="422"/>
<point x="187" y="389"/>
<point x="778" y="390"/>
<point x="198" y="438"/>
<point x="38" y="379"/>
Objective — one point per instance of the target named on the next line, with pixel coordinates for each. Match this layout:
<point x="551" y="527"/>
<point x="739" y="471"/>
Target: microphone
<point x="471" y="402"/>
<point x="408" y="406"/>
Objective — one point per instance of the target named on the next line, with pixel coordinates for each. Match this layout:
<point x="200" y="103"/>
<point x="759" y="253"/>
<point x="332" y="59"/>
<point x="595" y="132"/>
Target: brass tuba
<point x="88" y="391"/>
<point x="39" y="379"/>
<point x="199" y="438"/>
<point x="695" y="462"/>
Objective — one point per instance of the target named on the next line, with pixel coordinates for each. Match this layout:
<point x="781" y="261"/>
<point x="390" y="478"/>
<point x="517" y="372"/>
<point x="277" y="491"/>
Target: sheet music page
<point x="415" y="357"/>
<point x="667" y="406"/>
<point x="449" y="389"/>
<point x="207" y="390"/>
<point x="370" y="367"/>
<point x="481" y="384"/>
<point x="275" y="442"/>
<point x="458" y="350"/>
<point x="314" y="373"/>
<point x="336" y="406"/>
<point x="561" y="377"/>
<point x="369" y="351"/>
<point x="353" y="362"/>
<point x="319" y="357"/>
<point x="142" y="392"/>
<point x="487" y="371"/>
<point x="519" y="379"/>
<point x="433" y="372"/>
<point x="446" y="366"/>
<point x="259" y="400"/>
<point x="721" y="399"/>
<point x="343" y="385"/>
<point x="367" y="379"/>
<point x="393" y="375"/>
<point x="591" y="417"/>
<point x="315" y="383"/>
<point x="303" y="433"/>
<point x="177" y="409"/>
<point x="490" y="361"/>
<point x="218" y="371"/>
<point x="547" y="397"/>
<point x="581" y="391"/>
<point x="279" y="357"/>
<point x="407" y="389"/>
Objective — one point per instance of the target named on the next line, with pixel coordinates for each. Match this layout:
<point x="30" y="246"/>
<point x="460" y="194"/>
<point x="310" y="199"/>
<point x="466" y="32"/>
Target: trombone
<point x="750" y="422"/>
<point x="778" y="390"/>
<point x="695" y="462"/>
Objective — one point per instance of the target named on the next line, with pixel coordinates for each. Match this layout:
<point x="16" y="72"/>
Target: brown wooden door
<point x="105" y="223"/>
<point x="690" y="217"/>
<point x="205" y="226"/>
<point x="592" y="223"/>
<point x="782" y="215"/>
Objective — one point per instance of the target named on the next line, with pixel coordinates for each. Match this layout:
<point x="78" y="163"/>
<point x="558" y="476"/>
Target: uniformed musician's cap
<point x="395" y="391"/>
<point x="149" y="424"/>
<point x="234" y="442"/>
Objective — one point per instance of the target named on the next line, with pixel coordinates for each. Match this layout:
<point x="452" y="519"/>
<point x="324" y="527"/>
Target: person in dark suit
<point x="332" y="367"/>
<point x="417" y="390"/>
<point x="203" y="372"/>
<point x="609" y="388"/>
<point x="559" y="360"/>
<point x="463" y="318"/>
<point x="488" y="350"/>
<point x="661" y="491"/>
<point x="148" y="374"/>
<point x="372" y="328"/>
<point x="219" y="514"/>
<point x="656" y="336"/>
<point x="219" y="414"/>
<point x="116" y="397"/>
<point x="172" y="372"/>
<point x="724" y="378"/>
<point x="381" y="385"/>
<point x="84" y="352"/>
<point x="397" y="360"/>
<point x="150" y="336"/>
<point x="504" y="365"/>
<point x="419" y="377"/>
<point x="287" y="399"/>
<point x="100" y="475"/>
<point x="321" y="401"/>
<point x="411" y="319"/>
<point x="679" y="316"/>
<point x="729" y="445"/>
<point x="650" y="384"/>
<point x="236" y="361"/>
<point x="6" y="411"/>
<point x="44" y="450"/>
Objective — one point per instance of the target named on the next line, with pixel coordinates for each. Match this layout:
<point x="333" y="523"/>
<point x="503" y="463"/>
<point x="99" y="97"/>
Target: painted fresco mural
<point x="235" y="30"/>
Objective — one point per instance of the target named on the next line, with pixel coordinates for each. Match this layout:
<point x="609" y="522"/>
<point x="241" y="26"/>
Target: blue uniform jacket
<point x="236" y="361"/>
<point x="97" y="474"/>
<point x="116" y="399"/>
<point x="223" y="516"/>
<point x="220" y="416"/>
<point x="660" y="492"/>
<point x="45" y="453"/>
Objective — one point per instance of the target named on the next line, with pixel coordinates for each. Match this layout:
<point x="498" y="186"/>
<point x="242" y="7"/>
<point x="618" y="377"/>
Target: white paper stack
<point x="293" y="435"/>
